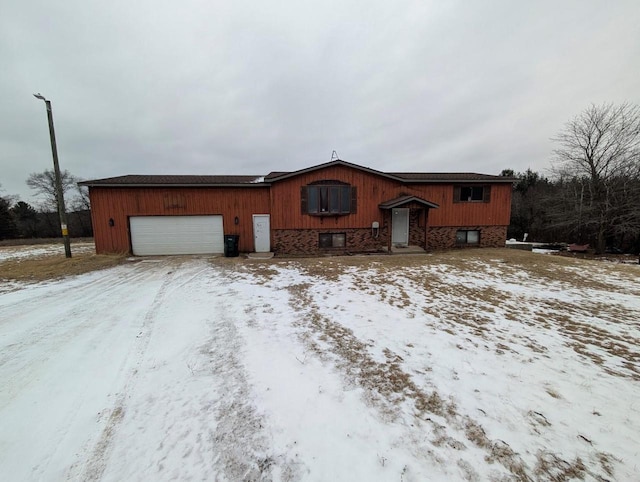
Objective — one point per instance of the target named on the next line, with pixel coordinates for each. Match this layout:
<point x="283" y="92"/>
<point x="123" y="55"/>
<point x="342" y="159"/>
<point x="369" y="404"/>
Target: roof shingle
<point x="449" y="176"/>
<point x="171" y="180"/>
<point x="274" y="176"/>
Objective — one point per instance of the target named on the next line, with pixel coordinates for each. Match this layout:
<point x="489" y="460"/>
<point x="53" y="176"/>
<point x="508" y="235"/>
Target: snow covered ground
<point x="376" y="368"/>
<point x="41" y="250"/>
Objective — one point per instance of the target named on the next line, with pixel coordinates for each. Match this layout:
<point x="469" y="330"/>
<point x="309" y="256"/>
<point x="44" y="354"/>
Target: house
<point x="329" y="208"/>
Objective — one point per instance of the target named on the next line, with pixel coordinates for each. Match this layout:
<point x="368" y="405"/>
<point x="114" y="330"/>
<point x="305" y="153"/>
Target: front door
<point x="261" y="233"/>
<point x="400" y="226"/>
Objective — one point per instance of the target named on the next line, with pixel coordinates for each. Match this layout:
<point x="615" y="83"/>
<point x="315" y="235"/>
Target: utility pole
<point x="56" y="169"/>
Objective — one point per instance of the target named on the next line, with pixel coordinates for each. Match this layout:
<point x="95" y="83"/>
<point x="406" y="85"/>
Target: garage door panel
<point x="158" y="235"/>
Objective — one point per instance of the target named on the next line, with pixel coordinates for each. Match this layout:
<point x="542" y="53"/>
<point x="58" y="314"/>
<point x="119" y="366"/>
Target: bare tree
<point x="81" y="201"/>
<point x="44" y="184"/>
<point x="529" y="207"/>
<point x="80" y="217"/>
<point x="597" y="164"/>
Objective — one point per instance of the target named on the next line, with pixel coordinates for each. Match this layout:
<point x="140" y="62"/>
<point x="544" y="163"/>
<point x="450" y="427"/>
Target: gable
<point x="280" y="176"/>
<point x="335" y="173"/>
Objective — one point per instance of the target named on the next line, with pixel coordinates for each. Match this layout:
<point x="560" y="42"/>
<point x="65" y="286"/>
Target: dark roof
<point x="273" y="174"/>
<point x="249" y="181"/>
<point x="450" y="177"/>
<point x="176" y="181"/>
<point x="278" y="176"/>
<point x="412" y="177"/>
<point x="403" y="200"/>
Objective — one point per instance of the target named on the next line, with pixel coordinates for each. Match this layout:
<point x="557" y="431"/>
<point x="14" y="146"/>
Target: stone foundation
<point x="361" y="240"/>
<point x="416" y="228"/>
<point x="445" y="237"/>
<point x="307" y="241"/>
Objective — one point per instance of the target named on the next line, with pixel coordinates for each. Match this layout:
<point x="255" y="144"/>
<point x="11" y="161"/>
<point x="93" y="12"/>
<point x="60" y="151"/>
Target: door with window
<point x="400" y="226"/>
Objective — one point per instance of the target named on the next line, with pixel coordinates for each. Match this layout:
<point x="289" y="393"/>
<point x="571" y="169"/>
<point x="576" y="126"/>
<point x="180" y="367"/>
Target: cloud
<point x="249" y="87"/>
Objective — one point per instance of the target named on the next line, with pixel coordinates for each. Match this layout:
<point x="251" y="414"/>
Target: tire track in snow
<point x="82" y="283"/>
<point x="236" y="443"/>
<point x="64" y="299"/>
<point x="200" y="421"/>
<point x="239" y="442"/>
<point x="96" y="463"/>
<point x="65" y="323"/>
<point x="59" y="357"/>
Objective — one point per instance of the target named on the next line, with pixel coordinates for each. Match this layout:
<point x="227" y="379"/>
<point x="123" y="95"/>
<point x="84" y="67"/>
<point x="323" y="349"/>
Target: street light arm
<point x="39" y="96"/>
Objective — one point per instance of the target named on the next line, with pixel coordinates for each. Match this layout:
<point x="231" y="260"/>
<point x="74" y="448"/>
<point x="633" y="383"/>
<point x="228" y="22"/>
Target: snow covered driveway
<point x="369" y="369"/>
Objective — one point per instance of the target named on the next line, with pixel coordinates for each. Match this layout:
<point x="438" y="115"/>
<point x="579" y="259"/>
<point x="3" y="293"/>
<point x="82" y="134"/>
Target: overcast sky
<point x="247" y="87"/>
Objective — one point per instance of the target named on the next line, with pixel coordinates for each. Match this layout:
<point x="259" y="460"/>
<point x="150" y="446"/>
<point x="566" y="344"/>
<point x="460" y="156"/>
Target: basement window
<point x="468" y="237"/>
<point x="333" y="240"/>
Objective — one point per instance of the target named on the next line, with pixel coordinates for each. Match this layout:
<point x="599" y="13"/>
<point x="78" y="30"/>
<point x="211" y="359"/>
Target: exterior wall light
<point x="112" y="223"/>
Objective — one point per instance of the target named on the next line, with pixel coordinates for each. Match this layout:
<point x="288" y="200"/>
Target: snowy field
<point x="42" y="250"/>
<point x="499" y="366"/>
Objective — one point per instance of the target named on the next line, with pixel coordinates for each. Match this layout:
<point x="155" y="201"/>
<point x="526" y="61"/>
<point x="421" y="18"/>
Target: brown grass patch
<point x="500" y="451"/>
<point x="586" y="338"/>
<point x="577" y="273"/>
<point x="568" y="272"/>
<point x="52" y="267"/>
<point x="553" y="393"/>
<point x="551" y="467"/>
<point x="606" y="460"/>
<point x="423" y="290"/>
<point x="422" y="286"/>
<point x="387" y="383"/>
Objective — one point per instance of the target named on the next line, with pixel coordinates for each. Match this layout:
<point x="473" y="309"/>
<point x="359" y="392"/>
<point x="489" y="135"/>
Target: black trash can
<point x="231" y="245"/>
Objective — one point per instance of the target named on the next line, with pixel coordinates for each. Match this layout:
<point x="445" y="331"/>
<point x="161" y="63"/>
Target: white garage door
<point x="176" y="235"/>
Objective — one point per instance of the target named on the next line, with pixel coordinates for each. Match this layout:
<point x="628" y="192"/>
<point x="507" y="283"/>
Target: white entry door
<point x="261" y="233"/>
<point x="400" y="226"/>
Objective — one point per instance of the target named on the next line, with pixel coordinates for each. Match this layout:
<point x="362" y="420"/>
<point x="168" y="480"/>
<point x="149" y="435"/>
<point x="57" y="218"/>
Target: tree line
<point x="19" y="219"/>
<point x="592" y="195"/>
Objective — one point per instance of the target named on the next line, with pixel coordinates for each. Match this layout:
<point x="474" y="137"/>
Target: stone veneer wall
<point x="416" y="233"/>
<point x="306" y="241"/>
<point x="445" y="237"/>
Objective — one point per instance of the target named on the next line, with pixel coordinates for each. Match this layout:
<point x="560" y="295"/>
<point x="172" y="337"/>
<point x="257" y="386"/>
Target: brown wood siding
<point x="283" y="202"/>
<point x="495" y="212"/>
<point x="373" y="190"/>
<point x="120" y="203"/>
